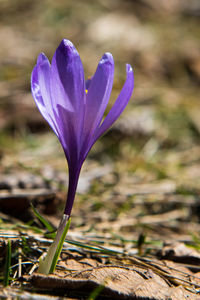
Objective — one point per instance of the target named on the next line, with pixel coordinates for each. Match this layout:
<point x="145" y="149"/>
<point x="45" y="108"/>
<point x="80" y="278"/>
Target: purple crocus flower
<point x="74" y="108"/>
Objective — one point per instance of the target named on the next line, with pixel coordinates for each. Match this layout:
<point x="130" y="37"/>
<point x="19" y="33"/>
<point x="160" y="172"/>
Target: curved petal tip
<point x="107" y="58"/>
<point x="130" y="75"/>
<point x="41" y="58"/>
<point x="67" y="43"/>
<point x="67" y="48"/>
<point x="129" y="69"/>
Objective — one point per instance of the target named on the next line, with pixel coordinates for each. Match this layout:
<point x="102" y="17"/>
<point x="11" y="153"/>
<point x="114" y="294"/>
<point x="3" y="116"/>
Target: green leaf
<point x="48" y="264"/>
<point x="59" y="248"/>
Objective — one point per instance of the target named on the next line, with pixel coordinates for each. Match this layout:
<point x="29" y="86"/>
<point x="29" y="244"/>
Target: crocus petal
<point x="67" y="71"/>
<point x="119" y="104"/>
<point x="68" y="134"/>
<point x="98" y="95"/>
<point x="68" y="84"/>
<point x="40" y="81"/>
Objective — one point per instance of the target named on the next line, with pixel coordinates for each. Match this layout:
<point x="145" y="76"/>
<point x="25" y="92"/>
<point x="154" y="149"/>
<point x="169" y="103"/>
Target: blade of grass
<point x="95" y="293"/>
<point x="7" y="264"/>
<point x="48" y="226"/>
<point x="99" y="249"/>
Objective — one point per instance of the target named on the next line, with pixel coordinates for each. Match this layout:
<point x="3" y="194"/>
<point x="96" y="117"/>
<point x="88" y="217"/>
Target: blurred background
<point x="144" y="173"/>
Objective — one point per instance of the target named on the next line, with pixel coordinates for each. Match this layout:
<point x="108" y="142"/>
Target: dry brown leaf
<point x="119" y="283"/>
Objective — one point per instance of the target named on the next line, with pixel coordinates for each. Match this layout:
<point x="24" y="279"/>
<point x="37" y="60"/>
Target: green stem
<point x="48" y="265"/>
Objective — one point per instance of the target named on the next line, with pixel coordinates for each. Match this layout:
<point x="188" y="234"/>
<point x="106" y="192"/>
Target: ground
<point x="135" y="221"/>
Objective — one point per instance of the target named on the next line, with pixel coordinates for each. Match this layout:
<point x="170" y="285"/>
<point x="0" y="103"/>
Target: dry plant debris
<point x="85" y="266"/>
